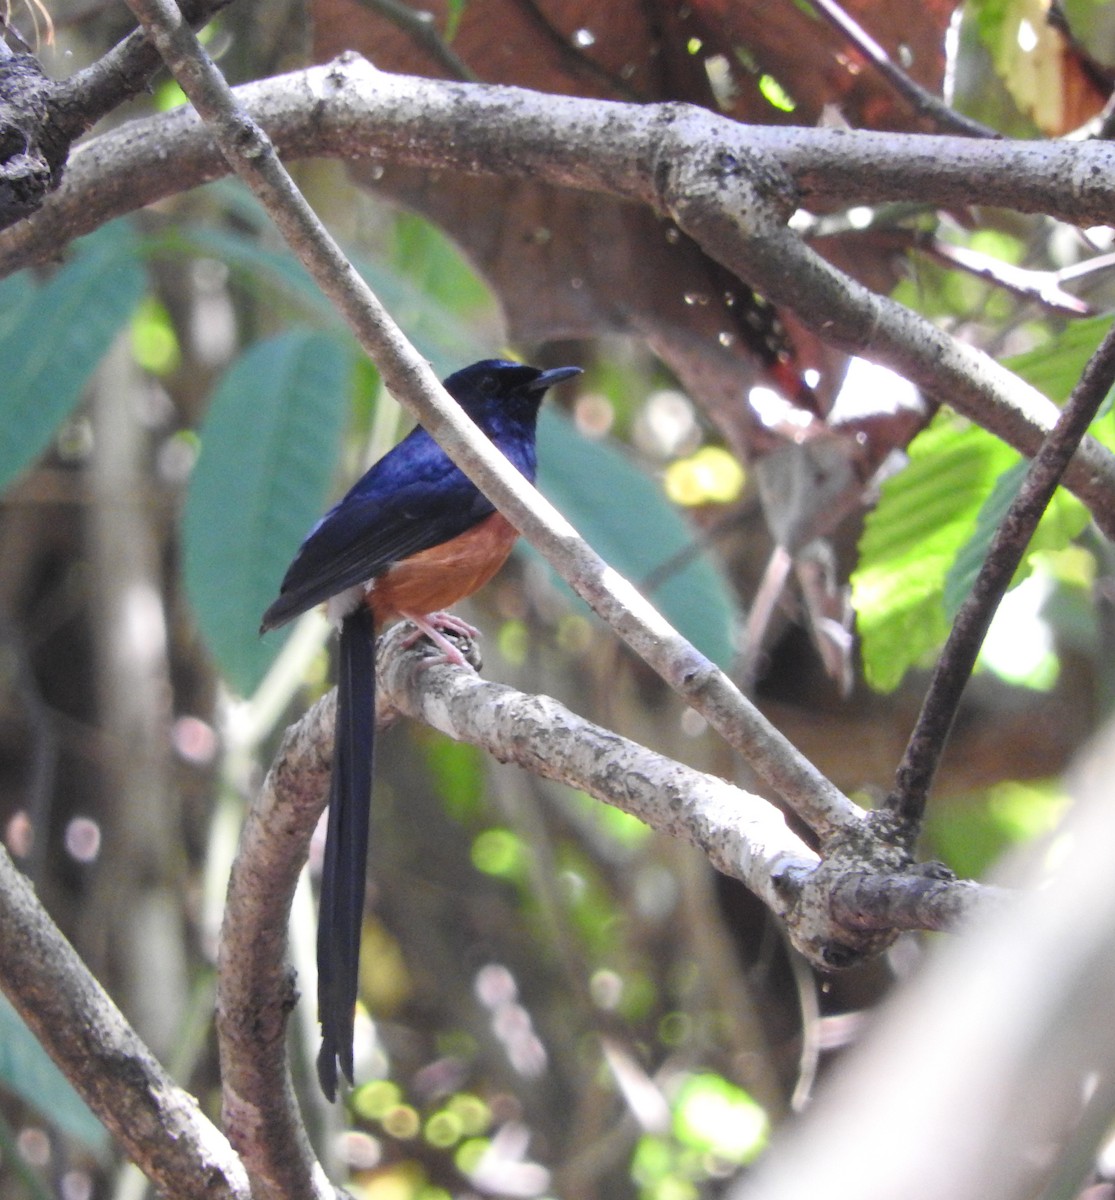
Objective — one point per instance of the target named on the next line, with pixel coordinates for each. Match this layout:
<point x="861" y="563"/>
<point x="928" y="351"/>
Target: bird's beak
<point x="558" y="375"/>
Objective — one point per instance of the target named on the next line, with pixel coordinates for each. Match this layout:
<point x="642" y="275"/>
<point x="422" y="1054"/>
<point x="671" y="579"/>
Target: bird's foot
<point x="434" y="626"/>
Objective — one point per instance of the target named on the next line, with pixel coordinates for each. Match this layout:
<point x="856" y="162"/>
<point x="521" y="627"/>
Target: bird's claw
<point x="435" y="626"/>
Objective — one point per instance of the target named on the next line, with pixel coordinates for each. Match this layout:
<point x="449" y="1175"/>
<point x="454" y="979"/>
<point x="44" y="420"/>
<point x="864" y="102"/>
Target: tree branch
<point x="741" y="834"/>
<point x="744" y="835"/>
<point x="914" y="901"/>
<point x="256" y="989"/>
<point x="736" y="210"/>
<point x="700" y="682"/>
<point x="40" y="119"/>
<point x="159" y="1125"/>
<point x="349" y="109"/>
<point x="651" y="155"/>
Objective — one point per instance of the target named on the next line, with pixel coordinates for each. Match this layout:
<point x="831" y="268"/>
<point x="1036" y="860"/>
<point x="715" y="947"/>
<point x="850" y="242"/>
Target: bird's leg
<point x="431" y="626"/>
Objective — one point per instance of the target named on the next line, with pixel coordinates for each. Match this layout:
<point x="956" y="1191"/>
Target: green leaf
<point x="925" y="514"/>
<point x="1054" y="368"/>
<point x="625" y="516"/>
<point x="29" y="1072"/>
<point x="53" y="335"/>
<point x="1062" y="521"/>
<point x="927" y="538"/>
<point x="269" y="447"/>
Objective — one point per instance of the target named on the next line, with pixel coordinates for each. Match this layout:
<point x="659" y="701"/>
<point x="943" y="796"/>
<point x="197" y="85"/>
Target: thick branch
<point x="742" y="834"/>
<point x="159" y="1125"/>
<point x="833" y="912"/>
<point x="644" y="154"/>
<point x="348" y="109"/>
<point x="40" y="119"/>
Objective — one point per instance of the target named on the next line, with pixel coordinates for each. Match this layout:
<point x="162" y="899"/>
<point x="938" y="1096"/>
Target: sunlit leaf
<point x="474" y="1113"/>
<point x="654" y="1158"/>
<point x="458" y="771"/>
<point x="1028" y="56"/>
<point x="710" y="476"/>
<point x="926" y="513"/>
<point x="925" y="541"/>
<point x="1064" y="519"/>
<point x="268" y="450"/>
<point x="627" y="830"/>
<point x="499" y="852"/>
<point x="714" y="1115"/>
<point x="154" y="341"/>
<point x="376" y="1099"/>
<point x="53" y="335"/>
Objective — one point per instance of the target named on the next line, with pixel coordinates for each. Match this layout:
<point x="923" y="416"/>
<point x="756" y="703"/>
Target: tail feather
<point x="346" y="849"/>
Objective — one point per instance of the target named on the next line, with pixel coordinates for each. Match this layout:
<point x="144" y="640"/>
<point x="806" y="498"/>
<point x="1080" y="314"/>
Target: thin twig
<point x="123" y="72"/>
<point x="922" y="100"/>
<point x="420" y="26"/>
<point x="906" y="803"/>
<point x="573" y="58"/>
<point x="1041" y="286"/>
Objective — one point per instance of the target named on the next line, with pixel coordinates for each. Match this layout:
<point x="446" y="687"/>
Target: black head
<point x="495" y="380"/>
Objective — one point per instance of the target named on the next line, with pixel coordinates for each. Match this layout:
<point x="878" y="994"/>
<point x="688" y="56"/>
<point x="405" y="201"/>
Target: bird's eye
<point x="488" y="384"/>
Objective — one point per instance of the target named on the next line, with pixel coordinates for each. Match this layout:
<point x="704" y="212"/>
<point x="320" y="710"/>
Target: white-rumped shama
<point x="412" y="537"/>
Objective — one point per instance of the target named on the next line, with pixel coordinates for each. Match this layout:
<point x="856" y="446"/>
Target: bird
<point x="412" y="537"/>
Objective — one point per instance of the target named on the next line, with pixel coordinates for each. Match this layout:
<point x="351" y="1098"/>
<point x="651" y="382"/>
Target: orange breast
<point x="437" y="578"/>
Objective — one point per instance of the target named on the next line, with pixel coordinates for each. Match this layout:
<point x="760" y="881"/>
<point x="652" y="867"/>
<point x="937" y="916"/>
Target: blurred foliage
<point x="926" y="539"/>
<point x="626" y="518"/>
<point x="971" y="833"/>
<point x="54" y="334"/>
<point x="28" y="1073"/>
<point x="268" y="448"/>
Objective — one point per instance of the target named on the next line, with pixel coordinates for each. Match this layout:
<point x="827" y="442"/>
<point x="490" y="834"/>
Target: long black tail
<point x="346" y="849"/>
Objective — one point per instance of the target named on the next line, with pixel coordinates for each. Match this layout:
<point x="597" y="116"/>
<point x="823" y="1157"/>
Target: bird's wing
<point x="411" y="500"/>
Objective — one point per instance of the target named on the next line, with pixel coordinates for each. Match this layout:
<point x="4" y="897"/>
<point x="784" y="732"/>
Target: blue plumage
<point x="412" y="503"/>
